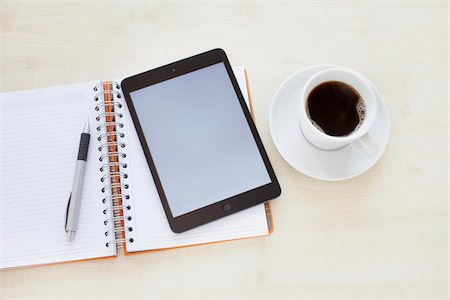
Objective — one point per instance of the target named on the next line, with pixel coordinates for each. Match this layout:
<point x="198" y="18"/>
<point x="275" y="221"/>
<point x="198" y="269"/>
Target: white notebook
<point x="39" y="136"/>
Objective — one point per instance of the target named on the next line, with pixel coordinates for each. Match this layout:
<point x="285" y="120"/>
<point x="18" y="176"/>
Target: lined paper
<point x="39" y="133"/>
<point x="150" y="226"/>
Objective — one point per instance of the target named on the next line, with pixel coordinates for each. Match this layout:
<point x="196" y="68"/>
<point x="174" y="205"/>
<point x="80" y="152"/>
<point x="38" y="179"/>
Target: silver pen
<point x="73" y="205"/>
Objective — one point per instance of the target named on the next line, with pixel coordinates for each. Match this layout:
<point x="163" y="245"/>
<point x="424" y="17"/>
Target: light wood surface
<point x="382" y="235"/>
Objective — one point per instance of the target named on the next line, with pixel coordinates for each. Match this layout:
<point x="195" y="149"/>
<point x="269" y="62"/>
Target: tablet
<point x="201" y="145"/>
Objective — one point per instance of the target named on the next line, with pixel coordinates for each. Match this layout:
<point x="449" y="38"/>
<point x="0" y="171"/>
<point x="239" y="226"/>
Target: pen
<point x="73" y="205"/>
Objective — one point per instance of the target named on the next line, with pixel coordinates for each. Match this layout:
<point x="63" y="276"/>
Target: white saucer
<point x="340" y="164"/>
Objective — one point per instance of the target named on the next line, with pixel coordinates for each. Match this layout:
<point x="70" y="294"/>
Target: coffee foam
<point x="361" y="110"/>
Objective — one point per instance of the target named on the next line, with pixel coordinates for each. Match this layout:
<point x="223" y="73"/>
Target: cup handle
<point x="365" y="145"/>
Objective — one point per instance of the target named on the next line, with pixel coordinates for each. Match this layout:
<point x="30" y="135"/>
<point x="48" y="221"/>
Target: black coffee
<point x="335" y="108"/>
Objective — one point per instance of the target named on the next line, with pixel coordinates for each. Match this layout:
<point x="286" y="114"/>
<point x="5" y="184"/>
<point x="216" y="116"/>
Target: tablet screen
<point x="199" y="139"/>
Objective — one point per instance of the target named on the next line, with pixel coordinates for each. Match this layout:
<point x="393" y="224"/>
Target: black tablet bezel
<point x="221" y="208"/>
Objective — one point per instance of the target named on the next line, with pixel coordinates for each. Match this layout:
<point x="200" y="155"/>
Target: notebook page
<point x="150" y="226"/>
<point x="239" y="73"/>
<point x="39" y="138"/>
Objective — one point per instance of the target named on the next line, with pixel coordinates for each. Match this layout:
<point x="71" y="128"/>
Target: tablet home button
<point x="226" y="207"/>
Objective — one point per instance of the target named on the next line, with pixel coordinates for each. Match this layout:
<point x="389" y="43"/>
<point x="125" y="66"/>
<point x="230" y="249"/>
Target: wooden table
<point x="381" y="235"/>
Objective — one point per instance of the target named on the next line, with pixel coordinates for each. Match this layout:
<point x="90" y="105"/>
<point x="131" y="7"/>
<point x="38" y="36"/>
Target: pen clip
<point x="67" y="211"/>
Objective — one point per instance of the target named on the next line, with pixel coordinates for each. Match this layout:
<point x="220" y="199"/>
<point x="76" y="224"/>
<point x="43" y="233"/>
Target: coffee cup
<point x="337" y="108"/>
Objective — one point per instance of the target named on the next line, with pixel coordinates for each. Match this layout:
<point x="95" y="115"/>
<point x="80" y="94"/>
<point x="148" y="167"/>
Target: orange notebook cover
<point x="110" y="218"/>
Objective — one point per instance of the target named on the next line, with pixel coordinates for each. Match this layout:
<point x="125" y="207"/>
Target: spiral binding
<point x="116" y="201"/>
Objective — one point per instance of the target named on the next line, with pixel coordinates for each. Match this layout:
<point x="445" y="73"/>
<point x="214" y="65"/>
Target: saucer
<point x="340" y="164"/>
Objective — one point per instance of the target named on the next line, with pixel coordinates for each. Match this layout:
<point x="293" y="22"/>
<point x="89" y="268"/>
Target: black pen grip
<point x="84" y="146"/>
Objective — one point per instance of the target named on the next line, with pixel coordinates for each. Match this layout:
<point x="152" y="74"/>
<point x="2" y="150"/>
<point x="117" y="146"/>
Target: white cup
<point x="359" y="139"/>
